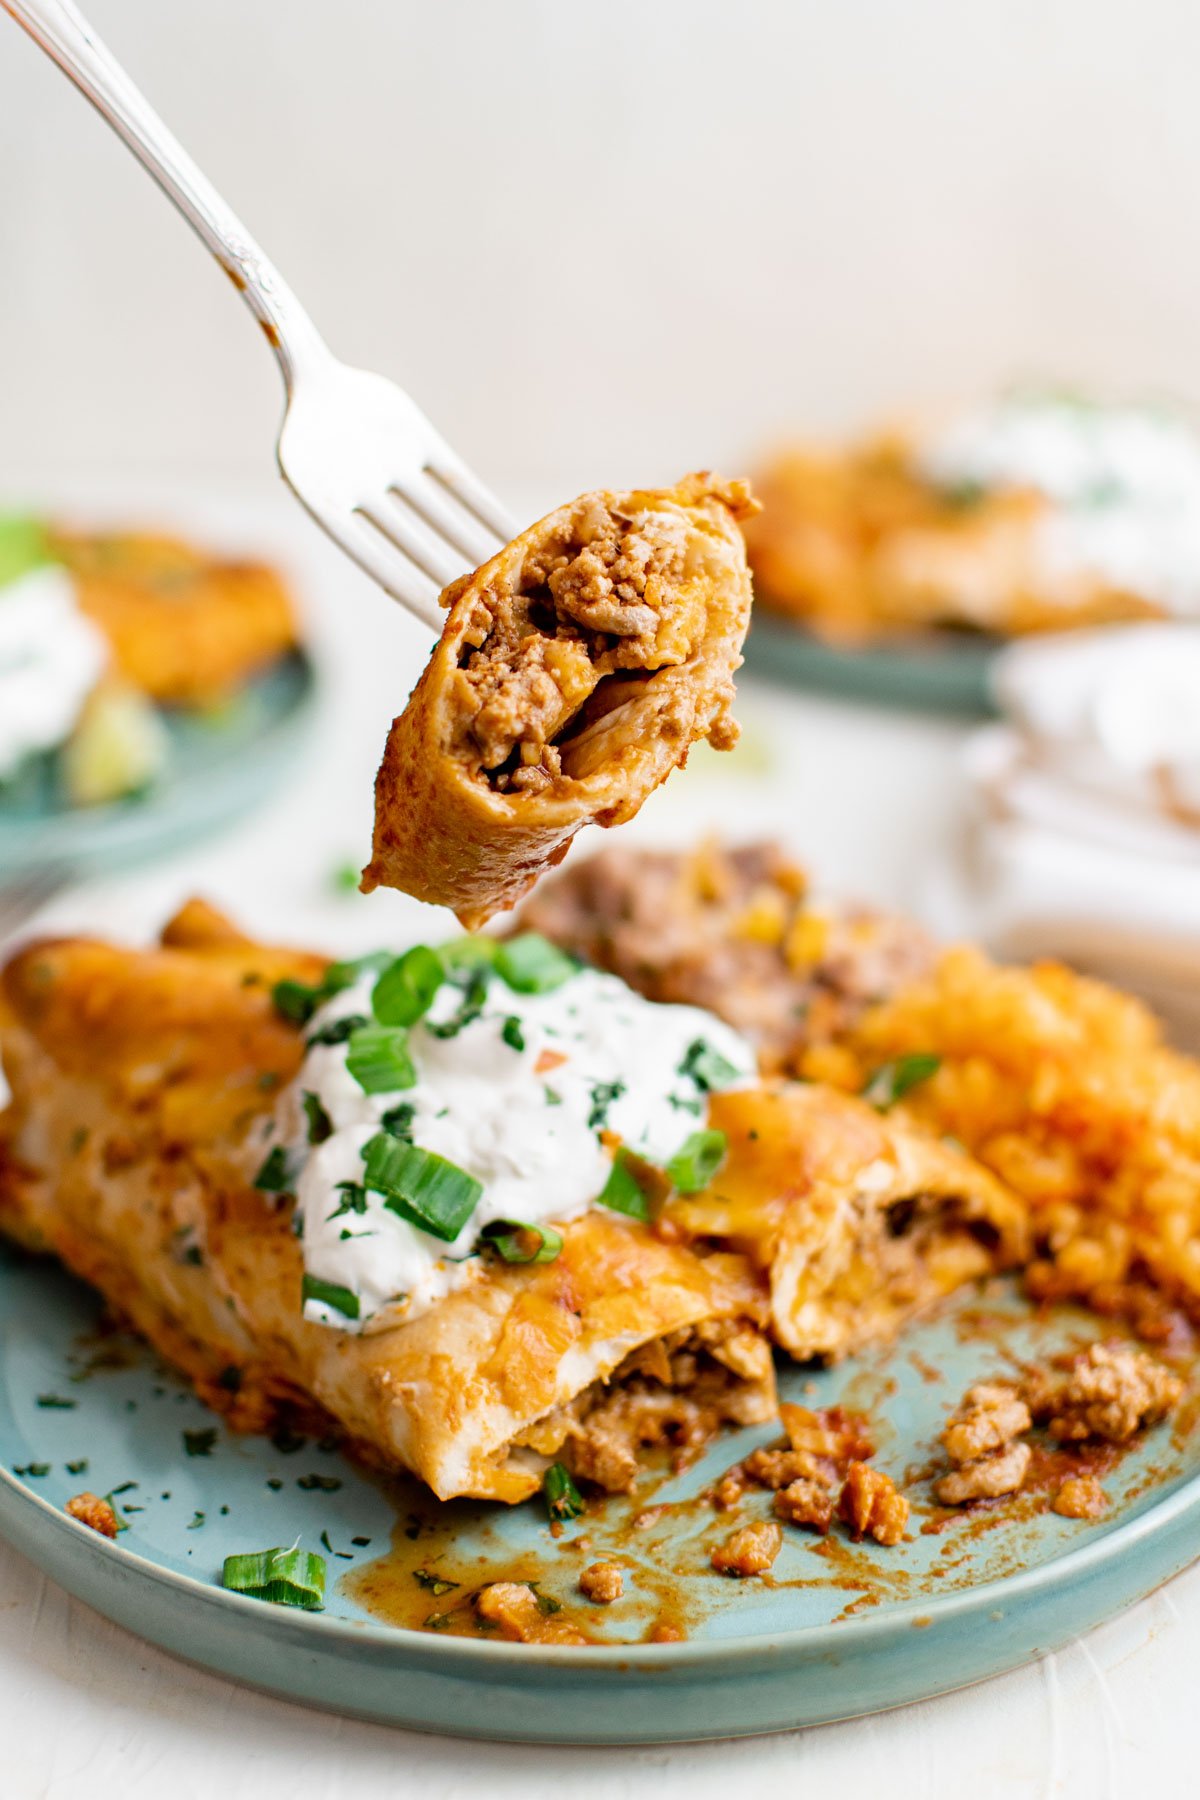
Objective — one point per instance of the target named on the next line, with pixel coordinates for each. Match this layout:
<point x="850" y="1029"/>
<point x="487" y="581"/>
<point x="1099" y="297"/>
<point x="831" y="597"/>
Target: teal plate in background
<point x="220" y="766"/>
<point x="835" y="1631"/>
<point x="936" y="671"/>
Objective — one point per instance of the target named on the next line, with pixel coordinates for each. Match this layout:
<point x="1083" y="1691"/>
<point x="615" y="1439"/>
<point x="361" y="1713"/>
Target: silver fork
<point x="356" y="451"/>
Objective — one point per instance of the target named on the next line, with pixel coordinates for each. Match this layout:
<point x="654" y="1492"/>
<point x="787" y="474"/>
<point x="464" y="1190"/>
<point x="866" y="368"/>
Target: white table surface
<point x="867" y="799"/>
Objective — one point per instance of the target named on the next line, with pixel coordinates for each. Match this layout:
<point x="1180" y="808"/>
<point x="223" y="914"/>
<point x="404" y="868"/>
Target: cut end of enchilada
<point x="575" y="671"/>
<point x="859" y="1222"/>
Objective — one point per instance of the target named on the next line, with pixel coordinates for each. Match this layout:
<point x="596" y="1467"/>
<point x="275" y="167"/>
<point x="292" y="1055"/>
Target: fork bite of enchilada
<point x="575" y="670"/>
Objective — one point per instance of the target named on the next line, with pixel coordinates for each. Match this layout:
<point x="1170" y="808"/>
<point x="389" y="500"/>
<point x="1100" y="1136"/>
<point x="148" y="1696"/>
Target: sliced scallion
<point x="404" y="992"/>
<point x="623" y="1192"/>
<point x="466" y="953"/>
<point x="329" y="1293"/>
<point x="378" y="1059"/>
<point x="277" y="1172"/>
<point x="603" y="1095"/>
<point x="893" y="1080"/>
<point x="320" y="1125"/>
<point x="531" y="964"/>
<point x="284" y="1577"/>
<point x="398" y="1119"/>
<point x="338" y="1031"/>
<point x="563" y="1498"/>
<point x="707" y="1067"/>
<point x="474" y="993"/>
<point x="693" y="1166"/>
<point x="512" y="1033"/>
<point x="420" y="1186"/>
<point x="518" y="1243"/>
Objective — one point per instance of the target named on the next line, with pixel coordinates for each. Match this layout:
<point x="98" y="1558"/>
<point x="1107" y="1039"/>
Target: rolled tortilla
<point x="858" y="1222"/>
<point x="140" y="1083"/>
<point x="574" y="672"/>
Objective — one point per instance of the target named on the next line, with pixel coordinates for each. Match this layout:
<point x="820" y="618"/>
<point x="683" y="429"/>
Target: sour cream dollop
<point x="51" y="658"/>
<point x="518" y="1097"/>
<point x="1123" y="482"/>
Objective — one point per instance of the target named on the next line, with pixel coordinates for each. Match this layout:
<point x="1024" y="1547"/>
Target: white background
<point x="602" y="243"/>
<point x="603" y="240"/>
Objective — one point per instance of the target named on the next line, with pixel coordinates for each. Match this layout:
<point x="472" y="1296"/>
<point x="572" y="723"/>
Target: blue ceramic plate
<point x="935" y="671"/>
<point x="835" y="1631"/>
<point x="219" y="767"/>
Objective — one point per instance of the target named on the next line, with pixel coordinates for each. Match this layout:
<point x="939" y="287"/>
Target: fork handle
<point x="65" y="35"/>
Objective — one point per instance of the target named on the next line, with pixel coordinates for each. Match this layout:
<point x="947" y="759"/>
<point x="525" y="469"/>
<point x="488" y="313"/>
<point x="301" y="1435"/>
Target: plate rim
<point x="815" y="1640"/>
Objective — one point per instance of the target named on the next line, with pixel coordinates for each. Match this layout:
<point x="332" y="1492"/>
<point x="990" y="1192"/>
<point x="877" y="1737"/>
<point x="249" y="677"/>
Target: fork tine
<point x="430" y="500"/>
<point x="468" y="488"/>
<point x="393" y="571"/>
<point x="435" y="558"/>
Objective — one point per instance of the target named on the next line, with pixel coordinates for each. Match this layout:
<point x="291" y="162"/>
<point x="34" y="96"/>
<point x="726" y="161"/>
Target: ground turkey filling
<point x="590" y="616"/>
<point x="677" y="1392"/>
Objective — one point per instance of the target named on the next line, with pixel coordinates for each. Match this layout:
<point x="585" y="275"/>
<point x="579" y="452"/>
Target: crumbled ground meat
<point x="750" y="1551"/>
<point x="603" y="1583"/>
<point x="987" y="1477"/>
<point x="513" y="1606"/>
<point x="872" y="1505"/>
<point x="841" y="1436"/>
<point x="1110" y="1392"/>
<point x="822" y="1447"/>
<point x="730" y="1489"/>
<point x="809" y="1503"/>
<point x="587" y="608"/>
<point x="1081" y="1497"/>
<point x="779" y="1468"/>
<point x="679" y="1391"/>
<point x="989" y="1417"/>
<point x="734" y="930"/>
<point x="93" y="1512"/>
<point x="982" y="1438"/>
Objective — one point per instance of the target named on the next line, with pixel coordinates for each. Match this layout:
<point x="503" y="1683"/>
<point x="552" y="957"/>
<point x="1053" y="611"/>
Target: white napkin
<point x="1083" y="840"/>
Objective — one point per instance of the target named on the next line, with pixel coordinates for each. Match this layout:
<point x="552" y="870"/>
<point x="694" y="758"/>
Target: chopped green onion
<point x="531" y="964"/>
<point x="277" y="1174"/>
<point x="603" y="1095"/>
<point x="563" y="1498"/>
<point x="892" y="1080"/>
<point x="404" y="992"/>
<point x="398" y="1120"/>
<point x="378" y="1059"/>
<point x="423" y="1188"/>
<point x="338" y="1031"/>
<point x="434" y="1584"/>
<point x="345" y="877"/>
<point x="707" y="1067"/>
<point x="328" y="1293"/>
<point x="466" y="953"/>
<point x="201" y="1442"/>
<point x="512" y="1034"/>
<point x="623" y="1192"/>
<point x="299" y="1000"/>
<point x="112" y="1507"/>
<point x="353" y="1200"/>
<point x="693" y="1167"/>
<point x="474" y="994"/>
<point x="518" y="1243"/>
<point x="285" y="1577"/>
<point x="320" y="1125"/>
<point x="295" y="1001"/>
